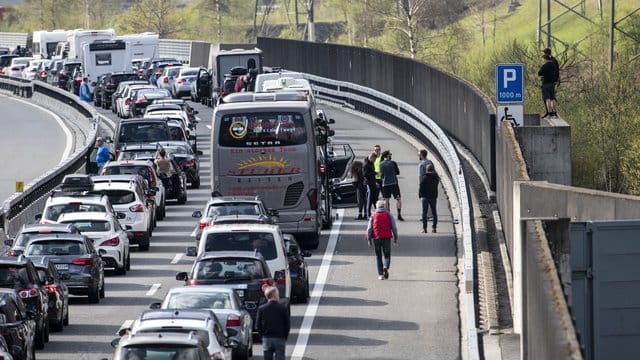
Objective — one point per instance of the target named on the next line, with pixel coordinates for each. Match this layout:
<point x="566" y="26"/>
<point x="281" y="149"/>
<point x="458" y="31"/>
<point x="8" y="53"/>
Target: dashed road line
<point x="176" y="258"/>
<point x="153" y="289"/>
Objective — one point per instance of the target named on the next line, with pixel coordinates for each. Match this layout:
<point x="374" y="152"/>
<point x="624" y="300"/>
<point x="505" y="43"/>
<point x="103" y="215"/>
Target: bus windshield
<point x="262" y="129"/>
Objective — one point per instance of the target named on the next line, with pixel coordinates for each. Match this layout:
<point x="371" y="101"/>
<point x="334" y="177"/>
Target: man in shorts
<point x="389" y="172"/>
<point x="549" y="74"/>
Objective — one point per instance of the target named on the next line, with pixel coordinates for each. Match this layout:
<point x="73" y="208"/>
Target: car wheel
<point x="40" y="339"/>
<point x="195" y="183"/>
<point x="128" y="261"/>
<point x="305" y="296"/>
<point x="57" y="326"/>
<point x="66" y="316"/>
<point x="102" y="290"/>
<point x="161" y="212"/>
<point x="94" y="296"/>
<point x="33" y="353"/>
<point x="123" y="269"/>
<point x="182" y="198"/>
<point x="143" y="245"/>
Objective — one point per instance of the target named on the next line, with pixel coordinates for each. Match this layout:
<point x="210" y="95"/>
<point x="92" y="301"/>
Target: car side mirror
<point x="331" y="121"/>
<point x="231" y="343"/>
<point x="272" y="212"/>
<point x="151" y="193"/>
<point x="8" y="242"/>
<point x="121" y="216"/>
<point x="196" y="112"/>
<point x="192" y="251"/>
<point x="182" y="276"/>
<point x="155" y="305"/>
<point x="195" y="214"/>
<point x="115" y="342"/>
<point x="199" y="153"/>
<point x="38" y="217"/>
<point x="306" y="253"/>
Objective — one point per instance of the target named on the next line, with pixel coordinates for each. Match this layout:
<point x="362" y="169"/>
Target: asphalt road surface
<point x="351" y="315"/>
<point x="33" y="142"/>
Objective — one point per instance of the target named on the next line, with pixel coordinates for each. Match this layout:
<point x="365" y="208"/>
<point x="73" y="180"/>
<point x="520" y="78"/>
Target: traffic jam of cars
<point x="91" y="222"/>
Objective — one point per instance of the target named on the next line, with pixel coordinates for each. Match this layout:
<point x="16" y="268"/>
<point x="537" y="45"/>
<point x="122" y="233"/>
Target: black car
<point x="73" y="85"/>
<point x="176" y="184"/>
<point x="20" y="274"/>
<point x="17" y="326"/>
<point x="245" y="272"/>
<point x="186" y="158"/>
<point x="54" y="284"/>
<point x="76" y="256"/>
<point x="144" y="98"/>
<point x="65" y="74"/>
<point x="119" y="91"/>
<point x="108" y="84"/>
<point x="297" y="269"/>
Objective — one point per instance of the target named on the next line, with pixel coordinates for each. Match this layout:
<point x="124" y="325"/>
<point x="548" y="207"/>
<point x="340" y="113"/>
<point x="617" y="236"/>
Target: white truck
<point x="43" y="43"/>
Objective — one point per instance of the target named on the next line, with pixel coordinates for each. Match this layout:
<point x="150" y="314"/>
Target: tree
<point x="160" y="16"/>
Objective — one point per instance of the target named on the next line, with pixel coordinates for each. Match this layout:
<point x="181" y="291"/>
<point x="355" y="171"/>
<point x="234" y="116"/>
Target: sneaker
<point x="433" y="229"/>
<point x="424" y="230"/>
<point x="546" y="115"/>
<point x="381" y="277"/>
<point x="554" y="114"/>
<point x="386" y="273"/>
<point x="400" y="218"/>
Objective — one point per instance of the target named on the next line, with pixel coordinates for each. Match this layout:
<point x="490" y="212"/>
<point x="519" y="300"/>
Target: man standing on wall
<point x="550" y="75"/>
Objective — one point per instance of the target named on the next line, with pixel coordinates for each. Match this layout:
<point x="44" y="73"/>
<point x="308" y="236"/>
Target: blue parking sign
<point x="509" y="83"/>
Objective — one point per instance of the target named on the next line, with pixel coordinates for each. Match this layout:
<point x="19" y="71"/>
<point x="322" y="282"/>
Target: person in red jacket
<point x="382" y="227"/>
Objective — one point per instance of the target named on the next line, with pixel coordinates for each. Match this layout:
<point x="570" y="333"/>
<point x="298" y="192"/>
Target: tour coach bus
<point x="265" y="144"/>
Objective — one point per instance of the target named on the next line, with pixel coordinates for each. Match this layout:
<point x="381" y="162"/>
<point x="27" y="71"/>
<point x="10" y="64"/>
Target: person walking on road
<point x="381" y="228"/>
<point x="389" y="171"/>
<point x="369" y="173"/>
<point x="357" y="176"/>
<point x="550" y="75"/>
<point x="103" y="155"/>
<point x="428" y="194"/>
<point x="273" y="324"/>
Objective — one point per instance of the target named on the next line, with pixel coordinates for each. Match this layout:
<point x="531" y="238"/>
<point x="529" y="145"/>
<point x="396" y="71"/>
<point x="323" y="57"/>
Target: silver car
<point x="181" y="84"/>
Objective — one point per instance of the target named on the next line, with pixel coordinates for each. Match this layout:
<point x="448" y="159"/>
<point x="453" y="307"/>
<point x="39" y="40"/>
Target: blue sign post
<point x="509" y="83"/>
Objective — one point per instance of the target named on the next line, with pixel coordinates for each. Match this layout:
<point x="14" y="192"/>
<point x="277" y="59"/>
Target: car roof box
<point x="76" y="182"/>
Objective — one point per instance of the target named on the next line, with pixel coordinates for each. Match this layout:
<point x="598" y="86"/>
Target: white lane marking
<point x="176" y="258"/>
<point x="153" y="289"/>
<point x="318" y="288"/>
<point x="208" y="127"/>
<point x="67" y="132"/>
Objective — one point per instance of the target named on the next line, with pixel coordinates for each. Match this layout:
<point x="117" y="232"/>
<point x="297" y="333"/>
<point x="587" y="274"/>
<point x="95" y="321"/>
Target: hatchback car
<point x="31" y="231"/>
<point x="107" y="234"/>
<point x="204" y="322"/>
<point x="264" y="238"/>
<point x="161" y="345"/>
<point x="224" y="302"/>
<point x="119" y="92"/>
<point x="74" y="255"/>
<point x="181" y="84"/>
<point x="146" y="169"/>
<point x="169" y="73"/>
<point x="14" y="69"/>
<point x="54" y="284"/>
<point x="30" y="72"/>
<point x="129" y="197"/>
<point x="144" y="97"/>
<point x="60" y="202"/>
<point x="20" y="274"/>
<point x="18" y="327"/>
<point x="108" y="85"/>
<point x="232" y="205"/>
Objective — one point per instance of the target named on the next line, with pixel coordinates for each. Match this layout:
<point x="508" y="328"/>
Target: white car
<point x="17" y="65"/>
<point x="107" y="234"/>
<point x="31" y="71"/>
<point x="203" y="322"/>
<point x="62" y="202"/>
<point x="127" y="194"/>
<point x="123" y="102"/>
<point x="264" y="238"/>
<point x="165" y="81"/>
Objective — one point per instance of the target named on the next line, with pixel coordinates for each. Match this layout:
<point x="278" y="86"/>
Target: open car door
<point x="342" y="190"/>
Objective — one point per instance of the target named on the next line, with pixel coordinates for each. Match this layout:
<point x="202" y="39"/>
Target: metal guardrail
<point x="21" y="207"/>
<point x="410" y="119"/>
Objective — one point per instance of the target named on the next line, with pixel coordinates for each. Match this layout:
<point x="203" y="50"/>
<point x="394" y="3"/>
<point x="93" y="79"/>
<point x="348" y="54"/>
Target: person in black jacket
<point x="428" y="194"/>
<point x="273" y="325"/>
<point x="357" y="176"/>
<point x="550" y="74"/>
<point x="369" y="173"/>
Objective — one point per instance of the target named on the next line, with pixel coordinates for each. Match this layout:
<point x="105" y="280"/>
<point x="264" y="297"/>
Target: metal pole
<point x="549" y="24"/>
<point x="219" y="21"/>
<point x="312" y="35"/>
<point x="612" y="25"/>
<point x="538" y="30"/>
<point x="255" y="17"/>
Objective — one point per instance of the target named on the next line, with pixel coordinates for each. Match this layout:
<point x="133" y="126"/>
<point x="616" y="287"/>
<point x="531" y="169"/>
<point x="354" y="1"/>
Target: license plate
<point x="62" y="266"/>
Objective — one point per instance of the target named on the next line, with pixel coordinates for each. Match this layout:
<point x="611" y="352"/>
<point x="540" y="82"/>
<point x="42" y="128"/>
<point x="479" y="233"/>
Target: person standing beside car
<point x="85" y="90"/>
<point x="273" y="324"/>
<point x="103" y="155"/>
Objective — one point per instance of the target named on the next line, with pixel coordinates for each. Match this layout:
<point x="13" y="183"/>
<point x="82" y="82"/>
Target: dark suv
<point x="65" y="74"/>
<point x="21" y="275"/>
<point x="140" y="131"/>
<point x="245" y="272"/>
<point x="108" y="84"/>
<point x="18" y="327"/>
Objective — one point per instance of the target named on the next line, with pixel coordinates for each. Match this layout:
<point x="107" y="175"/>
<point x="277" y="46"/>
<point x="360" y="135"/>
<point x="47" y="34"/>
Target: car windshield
<point x="228" y="268"/>
<point x="233" y="208"/>
<point x="120" y="197"/>
<point x="159" y="352"/>
<point x="54" y="211"/>
<point x="178" y="149"/>
<point x="91" y="225"/>
<point x="263" y="242"/>
<point x="204" y="300"/>
<point x="137" y="154"/>
<point x="55" y="247"/>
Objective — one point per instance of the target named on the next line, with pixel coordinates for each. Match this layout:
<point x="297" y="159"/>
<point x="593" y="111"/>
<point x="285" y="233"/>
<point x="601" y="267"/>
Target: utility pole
<point x="310" y="25"/>
<point x="87" y="23"/>
<point x="612" y="35"/>
<point x="219" y="21"/>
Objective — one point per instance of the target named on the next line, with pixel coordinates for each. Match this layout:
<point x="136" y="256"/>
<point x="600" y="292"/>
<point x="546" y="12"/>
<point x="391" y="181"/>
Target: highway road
<point x="352" y="314"/>
<point x="33" y="141"/>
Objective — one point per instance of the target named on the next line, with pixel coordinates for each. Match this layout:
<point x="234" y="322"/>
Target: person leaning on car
<point x="273" y="325"/>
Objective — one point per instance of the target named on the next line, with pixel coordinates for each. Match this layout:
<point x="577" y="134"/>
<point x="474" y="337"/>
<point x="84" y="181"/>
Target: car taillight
<point x="224" y="93"/>
<point x="15" y="68"/>
<point x="27" y="293"/>
<point x="111" y="242"/>
<point x="61" y="73"/>
<point x="193" y="282"/>
<point x="180" y="81"/>
<point x="51" y="289"/>
<point x="188" y="163"/>
<point x="217" y="356"/>
<point x="203" y="224"/>
<point x="136" y="208"/>
<point x="263" y="283"/>
<point x="15" y="252"/>
<point x="165" y="80"/>
<point x="43" y="73"/>
<point x="312" y="195"/>
<point x="233" y="320"/>
<point x="82" y="261"/>
<point x="78" y="80"/>
<point x="280" y="277"/>
<point x="322" y="168"/>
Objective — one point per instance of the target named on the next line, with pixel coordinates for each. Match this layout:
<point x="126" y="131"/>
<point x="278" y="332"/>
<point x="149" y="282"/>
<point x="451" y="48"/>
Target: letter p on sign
<point x="509" y="83"/>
